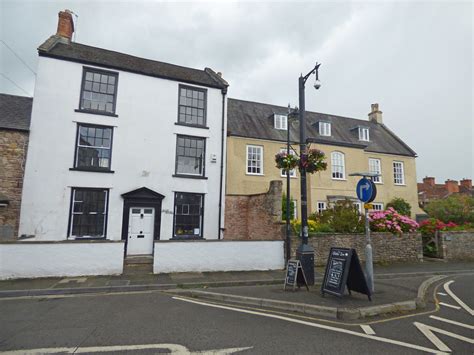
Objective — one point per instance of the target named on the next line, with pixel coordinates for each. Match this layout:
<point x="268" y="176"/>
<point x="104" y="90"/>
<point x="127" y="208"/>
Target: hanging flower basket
<point x="286" y="161"/>
<point x="313" y="161"/>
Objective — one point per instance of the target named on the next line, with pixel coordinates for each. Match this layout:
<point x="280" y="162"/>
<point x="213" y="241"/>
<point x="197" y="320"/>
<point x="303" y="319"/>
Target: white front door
<point x="140" y="231"/>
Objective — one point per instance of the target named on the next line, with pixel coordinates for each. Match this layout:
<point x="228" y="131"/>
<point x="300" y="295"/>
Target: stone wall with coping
<point x="386" y="247"/>
<point x="254" y="217"/>
<point x="457" y="245"/>
<point x="13" y="147"/>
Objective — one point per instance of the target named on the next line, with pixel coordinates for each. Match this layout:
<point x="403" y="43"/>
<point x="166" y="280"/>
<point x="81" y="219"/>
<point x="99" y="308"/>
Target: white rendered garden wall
<point x="189" y="256"/>
<point x="32" y="259"/>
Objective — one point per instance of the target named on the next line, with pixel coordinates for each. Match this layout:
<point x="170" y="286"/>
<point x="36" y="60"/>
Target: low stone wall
<point x="386" y="247"/>
<point x="254" y="217"/>
<point x="457" y="245"/>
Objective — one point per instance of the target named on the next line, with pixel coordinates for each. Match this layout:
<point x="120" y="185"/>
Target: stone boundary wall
<point x="254" y="217"/>
<point x="386" y="247"/>
<point x="13" y="147"/>
<point x="457" y="245"/>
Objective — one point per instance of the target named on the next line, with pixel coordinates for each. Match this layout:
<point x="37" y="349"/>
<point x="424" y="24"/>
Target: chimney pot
<point x="452" y="186"/>
<point x="219" y="73"/>
<point x="467" y="183"/>
<point x="428" y="180"/>
<point x="375" y="114"/>
<point x="65" y="25"/>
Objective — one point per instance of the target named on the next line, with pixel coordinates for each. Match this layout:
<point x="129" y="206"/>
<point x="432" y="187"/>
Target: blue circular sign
<point x="366" y="190"/>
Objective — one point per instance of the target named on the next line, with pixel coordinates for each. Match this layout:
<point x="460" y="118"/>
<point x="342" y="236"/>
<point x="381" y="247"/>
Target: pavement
<point x="398" y="288"/>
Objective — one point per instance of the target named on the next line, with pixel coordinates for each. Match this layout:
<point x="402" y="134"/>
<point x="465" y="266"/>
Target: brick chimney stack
<point x="65" y="25"/>
<point x="452" y="186"/>
<point x="429" y="181"/>
<point x="467" y="183"/>
<point x="375" y="115"/>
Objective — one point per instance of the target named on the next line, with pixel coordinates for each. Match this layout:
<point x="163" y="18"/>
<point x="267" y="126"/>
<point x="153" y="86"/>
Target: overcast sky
<point x="413" y="58"/>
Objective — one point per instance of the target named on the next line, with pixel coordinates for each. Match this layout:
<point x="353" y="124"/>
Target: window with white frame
<point x="254" y="160"/>
<point x="324" y="128"/>
<point x="377" y="206"/>
<point x="292" y="171"/>
<point x="358" y="206"/>
<point x="281" y="121"/>
<point x="375" y="167"/>
<point x="321" y="206"/>
<point x="364" y="134"/>
<point x="337" y="166"/>
<point x="88" y="213"/>
<point x="398" y="173"/>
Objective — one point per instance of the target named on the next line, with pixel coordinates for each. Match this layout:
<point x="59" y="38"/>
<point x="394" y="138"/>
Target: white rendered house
<point x="122" y="148"/>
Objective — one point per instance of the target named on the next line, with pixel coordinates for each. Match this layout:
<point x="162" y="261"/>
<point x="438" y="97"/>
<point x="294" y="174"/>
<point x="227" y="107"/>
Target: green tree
<point x="283" y="208"/>
<point x="400" y="205"/>
<point x="456" y="208"/>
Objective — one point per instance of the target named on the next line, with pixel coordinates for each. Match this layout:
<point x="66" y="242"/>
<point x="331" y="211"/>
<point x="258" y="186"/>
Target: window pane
<point x="88" y="216"/>
<point x="188" y="214"/>
<point x="190" y="155"/>
<point x="100" y="89"/>
<point x="192" y="103"/>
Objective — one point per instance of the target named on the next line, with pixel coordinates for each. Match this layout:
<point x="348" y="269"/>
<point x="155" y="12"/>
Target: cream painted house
<point x="257" y="131"/>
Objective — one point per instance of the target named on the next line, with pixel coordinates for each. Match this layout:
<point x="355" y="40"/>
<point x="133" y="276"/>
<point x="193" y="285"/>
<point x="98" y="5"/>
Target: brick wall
<point x="457" y="245"/>
<point x="254" y="217"/>
<point x="13" y="146"/>
<point x="386" y="247"/>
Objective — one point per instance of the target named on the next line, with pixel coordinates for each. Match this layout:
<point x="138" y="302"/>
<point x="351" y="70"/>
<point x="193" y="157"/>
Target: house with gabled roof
<point x="257" y="131"/>
<point x="122" y="148"/>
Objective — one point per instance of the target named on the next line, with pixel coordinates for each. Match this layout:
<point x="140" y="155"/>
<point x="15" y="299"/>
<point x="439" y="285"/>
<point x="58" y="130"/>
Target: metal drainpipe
<point x="224" y="92"/>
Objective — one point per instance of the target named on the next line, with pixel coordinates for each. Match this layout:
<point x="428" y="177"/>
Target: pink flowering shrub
<point x="391" y="221"/>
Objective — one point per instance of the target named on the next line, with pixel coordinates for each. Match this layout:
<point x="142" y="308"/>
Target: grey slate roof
<point x="255" y="120"/>
<point x="56" y="47"/>
<point x="15" y="112"/>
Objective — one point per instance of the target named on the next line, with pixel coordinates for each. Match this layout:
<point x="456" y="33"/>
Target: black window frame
<point x="194" y="88"/>
<point x="76" y="149"/>
<point x="201" y="230"/>
<point x="85" y="70"/>
<point x="71" y="211"/>
<point x="196" y="176"/>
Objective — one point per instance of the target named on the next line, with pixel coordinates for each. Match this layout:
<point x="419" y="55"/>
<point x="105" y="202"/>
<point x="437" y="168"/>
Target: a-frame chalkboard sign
<point x="343" y="269"/>
<point x="295" y="275"/>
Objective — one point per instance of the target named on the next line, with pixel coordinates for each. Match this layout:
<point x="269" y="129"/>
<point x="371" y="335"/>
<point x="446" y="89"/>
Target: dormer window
<point x="281" y="122"/>
<point x="325" y="129"/>
<point x="363" y="134"/>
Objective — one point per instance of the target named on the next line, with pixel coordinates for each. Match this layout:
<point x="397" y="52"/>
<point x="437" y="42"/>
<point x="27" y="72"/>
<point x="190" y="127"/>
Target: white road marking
<point x="427" y="331"/>
<point x="315" y="325"/>
<point x="442" y="294"/>
<point x="173" y="348"/>
<point x="449" y="305"/>
<point x="367" y="329"/>
<point x="453" y="322"/>
<point x="457" y="299"/>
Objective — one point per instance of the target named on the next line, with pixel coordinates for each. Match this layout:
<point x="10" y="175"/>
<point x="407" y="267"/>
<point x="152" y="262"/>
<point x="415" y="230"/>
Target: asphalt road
<point x="154" y="322"/>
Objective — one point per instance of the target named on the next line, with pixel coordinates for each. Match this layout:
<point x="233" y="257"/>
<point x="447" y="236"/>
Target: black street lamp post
<point x="305" y="252"/>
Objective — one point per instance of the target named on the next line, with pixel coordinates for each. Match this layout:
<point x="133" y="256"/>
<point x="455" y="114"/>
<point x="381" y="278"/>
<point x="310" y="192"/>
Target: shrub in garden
<point x="432" y="225"/>
<point x="296" y="226"/>
<point x="456" y="208"/>
<point x="391" y="221"/>
<point x="400" y="205"/>
<point x="343" y="217"/>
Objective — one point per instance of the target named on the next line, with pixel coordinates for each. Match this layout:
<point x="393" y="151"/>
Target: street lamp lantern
<point x="305" y="253"/>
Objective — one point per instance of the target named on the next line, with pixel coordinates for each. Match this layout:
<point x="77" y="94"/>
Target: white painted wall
<point x="144" y="145"/>
<point x="28" y="260"/>
<point x="218" y="256"/>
